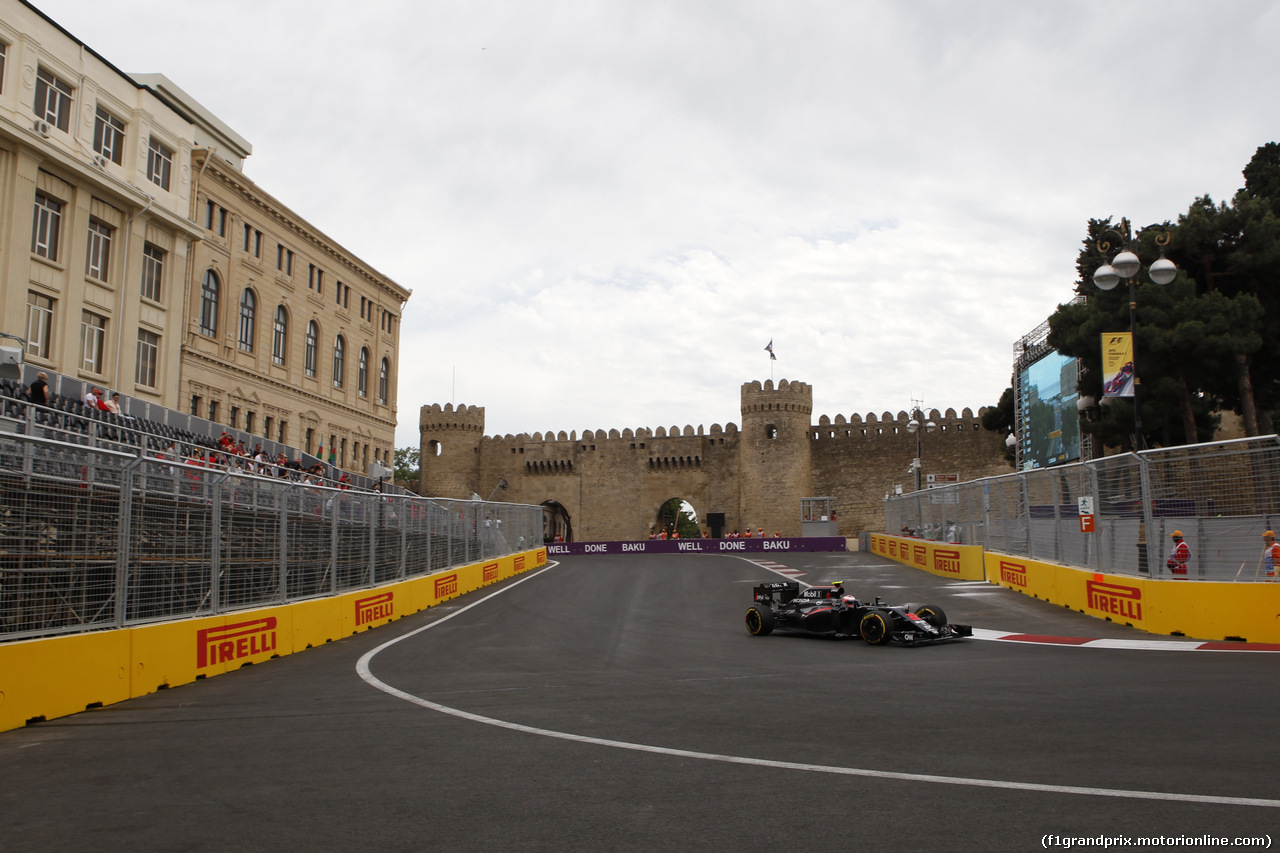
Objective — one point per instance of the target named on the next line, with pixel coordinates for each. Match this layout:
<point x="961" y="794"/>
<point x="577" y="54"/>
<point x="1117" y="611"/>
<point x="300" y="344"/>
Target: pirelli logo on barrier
<point x="1114" y="599"/>
<point x="919" y="556"/>
<point x="946" y="560"/>
<point x="227" y="643"/>
<point x="374" y="607"/>
<point x="489" y="573"/>
<point x="542" y="556"/>
<point x="447" y="585"/>
<point x="519" y="563"/>
<point x="1014" y="574"/>
<point x="893" y="548"/>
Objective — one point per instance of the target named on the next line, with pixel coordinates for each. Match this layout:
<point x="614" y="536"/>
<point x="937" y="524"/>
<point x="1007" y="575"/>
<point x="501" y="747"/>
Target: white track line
<point x="362" y="669"/>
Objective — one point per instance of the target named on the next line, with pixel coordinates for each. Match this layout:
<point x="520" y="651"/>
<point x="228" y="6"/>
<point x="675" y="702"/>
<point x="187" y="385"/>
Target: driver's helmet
<point x="850" y="600"/>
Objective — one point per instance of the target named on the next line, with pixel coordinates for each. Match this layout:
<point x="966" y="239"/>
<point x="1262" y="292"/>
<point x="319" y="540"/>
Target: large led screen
<point x="1050" y="426"/>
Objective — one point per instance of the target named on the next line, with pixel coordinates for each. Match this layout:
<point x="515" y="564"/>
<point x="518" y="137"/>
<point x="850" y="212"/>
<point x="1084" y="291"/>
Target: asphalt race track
<point x="618" y="703"/>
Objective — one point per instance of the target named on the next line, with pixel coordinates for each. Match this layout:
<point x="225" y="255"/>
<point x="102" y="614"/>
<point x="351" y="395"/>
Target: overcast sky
<point x="606" y="210"/>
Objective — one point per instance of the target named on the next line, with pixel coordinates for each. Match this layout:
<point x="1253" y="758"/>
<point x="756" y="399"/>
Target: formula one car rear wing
<point x="779" y="591"/>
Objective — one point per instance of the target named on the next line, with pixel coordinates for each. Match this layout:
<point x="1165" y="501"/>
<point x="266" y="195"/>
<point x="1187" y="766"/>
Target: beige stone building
<point x="287" y="334"/>
<point x="95" y="231"/>
<point x="136" y="255"/>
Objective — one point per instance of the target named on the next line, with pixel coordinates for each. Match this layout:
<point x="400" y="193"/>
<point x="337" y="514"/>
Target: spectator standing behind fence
<point x="38" y="391"/>
<point x="1179" y="556"/>
<point x="1270" y="555"/>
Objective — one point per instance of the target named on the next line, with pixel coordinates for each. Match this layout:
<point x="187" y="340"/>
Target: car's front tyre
<point x="875" y="628"/>
<point x="759" y="620"/>
<point x="932" y="614"/>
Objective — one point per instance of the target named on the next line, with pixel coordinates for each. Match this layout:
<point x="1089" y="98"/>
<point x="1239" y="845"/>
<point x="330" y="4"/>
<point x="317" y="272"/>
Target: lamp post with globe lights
<point x="913" y="427"/>
<point x="1126" y="266"/>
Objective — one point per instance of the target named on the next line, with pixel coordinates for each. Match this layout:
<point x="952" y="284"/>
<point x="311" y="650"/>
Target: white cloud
<point x="605" y="210"/>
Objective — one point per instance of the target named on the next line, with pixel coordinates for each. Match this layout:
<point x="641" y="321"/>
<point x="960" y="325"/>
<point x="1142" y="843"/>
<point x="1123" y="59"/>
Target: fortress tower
<point x="450" y="450"/>
<point x="774" y="456"/>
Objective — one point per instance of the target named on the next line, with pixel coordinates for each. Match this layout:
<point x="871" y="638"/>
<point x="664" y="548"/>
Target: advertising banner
<point x="1117" y="364"/>
<point x="698" y="546"/>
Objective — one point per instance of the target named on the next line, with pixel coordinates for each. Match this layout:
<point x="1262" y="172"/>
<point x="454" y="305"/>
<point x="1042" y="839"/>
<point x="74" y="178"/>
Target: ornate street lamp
<point x="913" y="427"/>
<point x="1126" y="265"/>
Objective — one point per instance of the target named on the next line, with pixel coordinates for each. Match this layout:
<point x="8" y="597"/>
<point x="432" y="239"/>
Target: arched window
<point x="313" y="341"/>
<point x="339" y="358"/>
<point x="280" y="336"/>
<point x="247" y="309"/>
<point x="362" y="374"/>
<point x="384" y="375"/>
<point x="209" y="304"/>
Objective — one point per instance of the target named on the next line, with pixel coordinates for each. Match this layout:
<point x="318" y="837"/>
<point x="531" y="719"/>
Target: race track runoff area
<point x="618" y="703"/>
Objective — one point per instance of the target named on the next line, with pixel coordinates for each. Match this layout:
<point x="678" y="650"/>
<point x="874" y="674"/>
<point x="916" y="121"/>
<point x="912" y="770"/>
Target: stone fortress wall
<point x="612" y="483"/>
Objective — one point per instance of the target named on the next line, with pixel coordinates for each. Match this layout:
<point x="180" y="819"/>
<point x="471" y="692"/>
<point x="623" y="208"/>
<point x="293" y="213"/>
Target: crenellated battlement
<point x="888" y="424"/>
<point x="794" y="397"/>
<point x="561" y="437"/>
<point x="435" y="418"/>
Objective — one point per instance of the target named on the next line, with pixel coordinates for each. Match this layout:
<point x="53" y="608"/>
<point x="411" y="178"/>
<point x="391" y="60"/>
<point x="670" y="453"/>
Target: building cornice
<point x="289" y="220"/>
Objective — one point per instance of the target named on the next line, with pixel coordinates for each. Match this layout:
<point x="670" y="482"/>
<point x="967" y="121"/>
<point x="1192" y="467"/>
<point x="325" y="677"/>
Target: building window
<point x="313" y="339"/>
<point x="97" y="261"/>
<point x="280" y="336"/>
<point x="46" y="227"/>
<point x="384" y="377"/>
<point x="215" y="218"/>
<point x="248" y="421"/>
<point x="284" y="259"/>
<point x="339" y="357"/>
<point x="39" y="324"/>
<point x="159" y="163"/>
<point x="213" y="410"/>
<point x="247" y="310"/>
<point x="195" y="405"/>
<point x="362" y="373"/>
<point x="252" y="241"/>
<point x="53" y="100"/>
<point x="108" y="136"/>
<point x="152" y="271"/>
<point x="93" y="335"/>
<point x="283" y="435"/>
<point x="235" y="417"/>
<point x="4" y="48"/>
<point x="209" y="304"/>
<point x="148" y="356"/>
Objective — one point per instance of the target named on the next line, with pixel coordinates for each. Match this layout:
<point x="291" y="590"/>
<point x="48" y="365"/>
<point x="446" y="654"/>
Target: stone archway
<point x="556" y="523"/>
<point x="678" y="514"/>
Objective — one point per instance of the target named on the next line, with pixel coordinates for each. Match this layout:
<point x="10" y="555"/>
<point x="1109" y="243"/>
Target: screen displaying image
<point x="1050" y="427"/>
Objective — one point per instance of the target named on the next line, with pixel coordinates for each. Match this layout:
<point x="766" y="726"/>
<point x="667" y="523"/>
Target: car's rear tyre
<point x="875" y="628"/>
<point x="932" y="614"/>
<point x="759" y="621"/>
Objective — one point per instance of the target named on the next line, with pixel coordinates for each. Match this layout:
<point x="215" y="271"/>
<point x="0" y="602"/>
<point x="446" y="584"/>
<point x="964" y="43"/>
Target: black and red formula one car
<point x="828" y="609"/>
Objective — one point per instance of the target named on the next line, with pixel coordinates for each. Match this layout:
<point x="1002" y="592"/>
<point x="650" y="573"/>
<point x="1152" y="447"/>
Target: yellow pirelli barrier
<point x="1237" y="612"/>
<point x="56" y="676"/>
<point x="962" y="562"/>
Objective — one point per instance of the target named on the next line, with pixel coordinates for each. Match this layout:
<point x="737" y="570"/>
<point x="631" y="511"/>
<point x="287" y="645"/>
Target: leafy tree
<point x="407" y="463"/>
<point x="999" y="419"/>
<point x="1189" y="345"/>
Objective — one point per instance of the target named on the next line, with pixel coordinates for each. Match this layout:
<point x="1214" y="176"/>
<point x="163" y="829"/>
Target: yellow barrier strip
<point x="56" y="676"/>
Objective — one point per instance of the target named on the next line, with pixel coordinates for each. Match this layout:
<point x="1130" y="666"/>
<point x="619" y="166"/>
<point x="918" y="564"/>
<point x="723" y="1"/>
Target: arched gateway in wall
<point x="604" y="485"/>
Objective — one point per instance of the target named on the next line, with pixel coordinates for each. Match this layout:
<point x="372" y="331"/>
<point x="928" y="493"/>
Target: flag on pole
<point x="769" y="349"/>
